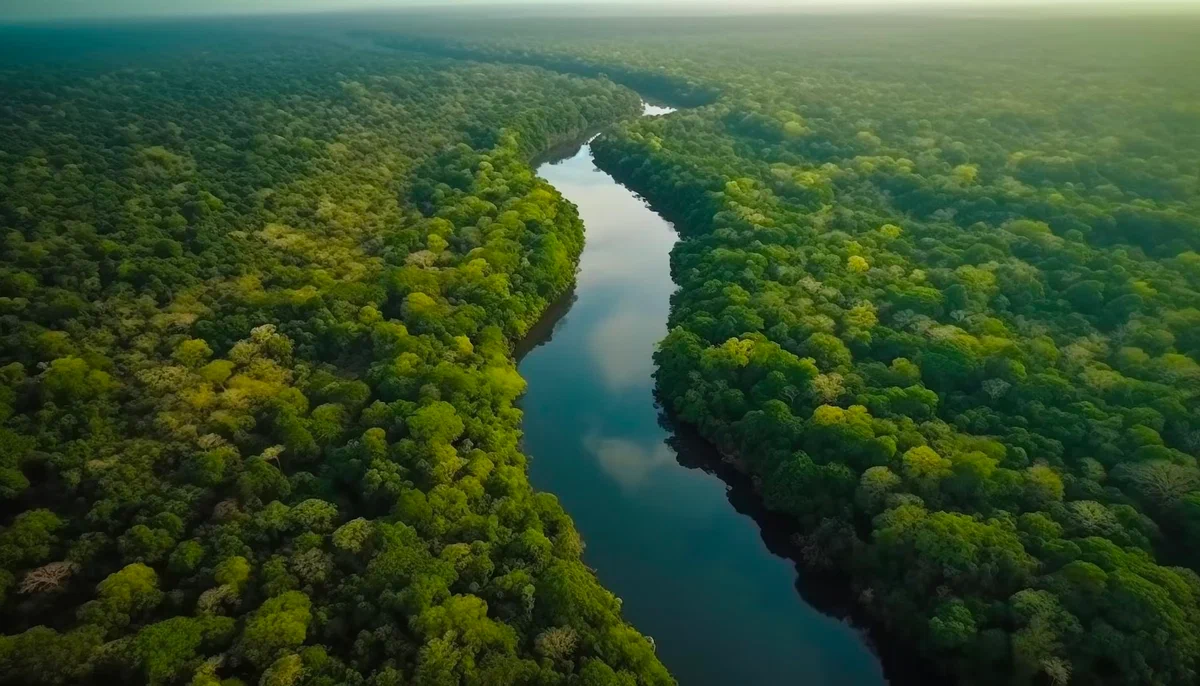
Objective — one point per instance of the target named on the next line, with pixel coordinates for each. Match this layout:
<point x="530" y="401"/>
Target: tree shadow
<point x="828" y="592"/>
<point x="542" y="332"/>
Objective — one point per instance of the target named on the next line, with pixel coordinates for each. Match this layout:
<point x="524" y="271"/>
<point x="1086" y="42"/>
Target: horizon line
<point x="1025" y="9"/>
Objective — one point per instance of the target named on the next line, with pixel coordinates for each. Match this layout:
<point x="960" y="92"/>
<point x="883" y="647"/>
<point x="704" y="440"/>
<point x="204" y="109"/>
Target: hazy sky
<point x="63" y="9"/>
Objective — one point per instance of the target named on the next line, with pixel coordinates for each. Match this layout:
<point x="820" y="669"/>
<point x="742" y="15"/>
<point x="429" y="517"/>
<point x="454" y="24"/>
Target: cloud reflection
<point x="622" y="347"/>
<point x="627" y="462"/>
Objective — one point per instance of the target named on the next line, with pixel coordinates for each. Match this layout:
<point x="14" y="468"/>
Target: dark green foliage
<point x="257" y="303"/>
<point x="938" y="291"/>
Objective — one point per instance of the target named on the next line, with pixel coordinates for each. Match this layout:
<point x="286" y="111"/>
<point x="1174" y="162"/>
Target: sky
<point x="18" y="10"/>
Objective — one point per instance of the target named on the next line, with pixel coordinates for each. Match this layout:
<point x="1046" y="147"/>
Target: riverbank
<point x="694" y="573"/>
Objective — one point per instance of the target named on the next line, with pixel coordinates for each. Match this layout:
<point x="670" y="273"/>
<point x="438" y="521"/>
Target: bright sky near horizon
<point x="80" y="9"/>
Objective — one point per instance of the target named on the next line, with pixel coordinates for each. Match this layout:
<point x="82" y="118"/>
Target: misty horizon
<point x="66" y="10"/>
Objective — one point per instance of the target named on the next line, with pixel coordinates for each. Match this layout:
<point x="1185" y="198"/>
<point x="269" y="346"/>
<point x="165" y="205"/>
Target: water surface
<point x="694" y="572"/>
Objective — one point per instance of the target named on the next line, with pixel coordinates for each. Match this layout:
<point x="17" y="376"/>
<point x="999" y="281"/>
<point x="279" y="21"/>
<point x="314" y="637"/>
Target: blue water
<point x="694" y="573"/>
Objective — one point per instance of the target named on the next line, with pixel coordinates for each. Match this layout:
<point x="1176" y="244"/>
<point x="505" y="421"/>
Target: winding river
<point x="663" y="530"/>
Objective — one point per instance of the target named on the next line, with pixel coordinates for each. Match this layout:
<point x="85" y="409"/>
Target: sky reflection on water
<point x="693" y="572"/>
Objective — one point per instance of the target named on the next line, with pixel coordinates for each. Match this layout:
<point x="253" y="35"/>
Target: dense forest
<point x="938" y="293"/>
<point x="258" y="298"/>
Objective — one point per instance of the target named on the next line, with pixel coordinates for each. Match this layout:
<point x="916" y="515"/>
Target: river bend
<point x="694" y="573"/>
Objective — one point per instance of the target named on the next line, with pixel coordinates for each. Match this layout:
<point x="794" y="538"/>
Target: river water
<point x="693" y="571"/>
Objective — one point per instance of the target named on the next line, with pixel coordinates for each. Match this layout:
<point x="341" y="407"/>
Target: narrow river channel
<point x="694" y="572"/>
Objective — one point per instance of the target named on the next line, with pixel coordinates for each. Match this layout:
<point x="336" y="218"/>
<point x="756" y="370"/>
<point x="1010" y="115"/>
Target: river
<point x="694" y="572"/>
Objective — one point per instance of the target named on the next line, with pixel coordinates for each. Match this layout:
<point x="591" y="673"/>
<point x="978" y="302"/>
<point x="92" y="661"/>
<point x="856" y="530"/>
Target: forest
<point x="258" y="297"/>
<point x="938" y="293"/>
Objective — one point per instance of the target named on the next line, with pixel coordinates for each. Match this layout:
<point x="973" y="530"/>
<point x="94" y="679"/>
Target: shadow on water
<point x="557" y="154"/>
<point x="542" y="332"/>
<point x="543" y="329"/>
<point x="828" y="592"/>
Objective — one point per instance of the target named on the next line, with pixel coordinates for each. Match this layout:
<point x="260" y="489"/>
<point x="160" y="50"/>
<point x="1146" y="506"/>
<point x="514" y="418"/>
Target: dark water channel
<point x="663" y="529"/>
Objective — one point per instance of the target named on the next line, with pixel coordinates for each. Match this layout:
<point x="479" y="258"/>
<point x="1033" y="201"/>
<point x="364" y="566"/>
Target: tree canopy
<point x="258" y="297"/>
<point x="938" y="293"/>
